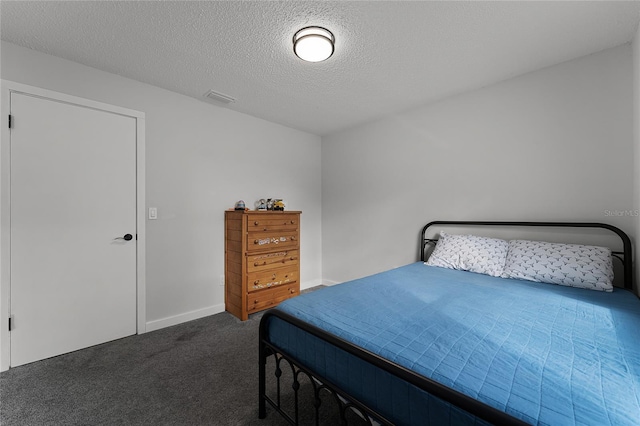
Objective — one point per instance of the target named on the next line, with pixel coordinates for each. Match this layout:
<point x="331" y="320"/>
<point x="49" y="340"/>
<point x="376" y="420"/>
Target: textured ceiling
<point x="390" y="56"/>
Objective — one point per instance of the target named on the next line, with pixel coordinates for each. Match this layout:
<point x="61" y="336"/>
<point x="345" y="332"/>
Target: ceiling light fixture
<point x="313" y="44"/>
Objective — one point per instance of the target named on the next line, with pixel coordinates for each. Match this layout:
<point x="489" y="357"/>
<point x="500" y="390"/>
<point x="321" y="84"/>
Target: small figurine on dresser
<point x="270" y="204"/>
<point x="240" y="205"/>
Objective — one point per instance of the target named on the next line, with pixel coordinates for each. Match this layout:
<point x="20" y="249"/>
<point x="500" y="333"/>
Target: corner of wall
<point x="636" y="150"/>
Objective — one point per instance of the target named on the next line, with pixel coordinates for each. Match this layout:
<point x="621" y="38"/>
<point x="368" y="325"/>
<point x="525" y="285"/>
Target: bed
<point x="423" y="344"/>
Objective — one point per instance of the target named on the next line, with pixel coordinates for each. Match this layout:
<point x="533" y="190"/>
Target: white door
<point x="73" y="198"/>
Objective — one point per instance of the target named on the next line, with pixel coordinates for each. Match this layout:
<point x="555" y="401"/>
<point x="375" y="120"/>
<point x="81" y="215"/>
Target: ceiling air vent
<point x="219" y="97"/>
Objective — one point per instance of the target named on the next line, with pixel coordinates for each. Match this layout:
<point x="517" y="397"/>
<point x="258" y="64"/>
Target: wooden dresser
<point x="262" y="266"/>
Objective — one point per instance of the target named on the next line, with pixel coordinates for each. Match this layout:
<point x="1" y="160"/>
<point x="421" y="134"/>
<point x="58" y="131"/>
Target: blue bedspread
<point x="543" y="353"/>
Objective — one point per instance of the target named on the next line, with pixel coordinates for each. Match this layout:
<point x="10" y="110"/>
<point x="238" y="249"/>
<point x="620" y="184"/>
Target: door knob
<point x="127" y="237"/>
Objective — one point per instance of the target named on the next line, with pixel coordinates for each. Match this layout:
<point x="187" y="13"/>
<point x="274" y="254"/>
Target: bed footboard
<point x="346" y="402"/>
<point x="343" y="404"/>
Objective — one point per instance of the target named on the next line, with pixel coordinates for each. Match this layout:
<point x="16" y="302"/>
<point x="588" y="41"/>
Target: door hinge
<point x="10" y="120"/>
<point x="10" y="323"/>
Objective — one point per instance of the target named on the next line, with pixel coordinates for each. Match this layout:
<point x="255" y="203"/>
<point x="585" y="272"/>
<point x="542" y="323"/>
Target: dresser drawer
<point x="260" y="241"/>
<point x="262" y="261"/>
<point x="271" y="297"/>
<point x="272" y="278"/>
<point x="272" y="222"/>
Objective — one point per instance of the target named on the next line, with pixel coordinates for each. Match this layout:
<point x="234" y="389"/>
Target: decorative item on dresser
<point x="262" y="266"/>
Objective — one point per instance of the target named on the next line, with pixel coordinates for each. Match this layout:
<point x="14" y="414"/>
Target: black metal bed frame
<point x="344" y="400"/>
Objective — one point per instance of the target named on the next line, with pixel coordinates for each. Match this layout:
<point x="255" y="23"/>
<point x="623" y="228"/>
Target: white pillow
<point x="572" y="265"/>
<point x="470" y="253"/>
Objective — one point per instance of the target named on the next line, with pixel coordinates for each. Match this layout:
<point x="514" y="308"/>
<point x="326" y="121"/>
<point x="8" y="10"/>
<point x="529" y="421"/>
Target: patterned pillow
<point x="572" y="265"/>
<point x="470" y="253"/>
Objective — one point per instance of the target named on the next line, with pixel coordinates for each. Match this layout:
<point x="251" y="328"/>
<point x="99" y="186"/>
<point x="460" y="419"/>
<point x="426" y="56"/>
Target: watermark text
<point x="622" y="213"/>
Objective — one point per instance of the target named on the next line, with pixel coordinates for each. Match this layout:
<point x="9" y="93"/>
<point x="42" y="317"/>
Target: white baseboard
<point x="308" y="284"/>
<point x="187" y="316"/>
<point x="215" y="309"/>
<point x="330" y="282"/>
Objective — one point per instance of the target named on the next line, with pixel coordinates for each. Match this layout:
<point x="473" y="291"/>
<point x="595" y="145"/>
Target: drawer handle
<point x="293" y="238"/>
<point x="292" y="291"/>
<point x="293" y="222"/>
<point x="259" y="264"/>
<point x="256" y="223"/>
<point x="274" y="276"/>
<point x="256" y="282"/>
<point x="255" y="301"/>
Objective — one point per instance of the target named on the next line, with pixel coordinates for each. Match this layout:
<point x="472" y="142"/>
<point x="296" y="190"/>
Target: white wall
<point x="201" y="159"/>
<point x="555" y="144"/>
<point x="636" y="146"/>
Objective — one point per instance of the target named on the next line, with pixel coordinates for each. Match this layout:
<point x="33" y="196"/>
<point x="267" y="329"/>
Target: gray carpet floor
<point x="203" y="372"/>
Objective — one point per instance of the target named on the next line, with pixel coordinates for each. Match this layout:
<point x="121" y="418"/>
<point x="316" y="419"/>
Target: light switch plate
<point x="153" y="213"/>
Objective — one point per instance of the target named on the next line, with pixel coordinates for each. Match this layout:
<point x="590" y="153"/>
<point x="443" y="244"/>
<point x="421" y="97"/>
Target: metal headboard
<point x="625" y="256"/>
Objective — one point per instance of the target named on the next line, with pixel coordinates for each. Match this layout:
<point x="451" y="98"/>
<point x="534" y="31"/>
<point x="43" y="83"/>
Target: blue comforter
<point x="543" y="353"/>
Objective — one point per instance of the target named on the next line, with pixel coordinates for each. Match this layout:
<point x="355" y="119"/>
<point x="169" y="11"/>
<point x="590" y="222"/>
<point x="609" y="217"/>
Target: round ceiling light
<point x="313" y="44"/>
